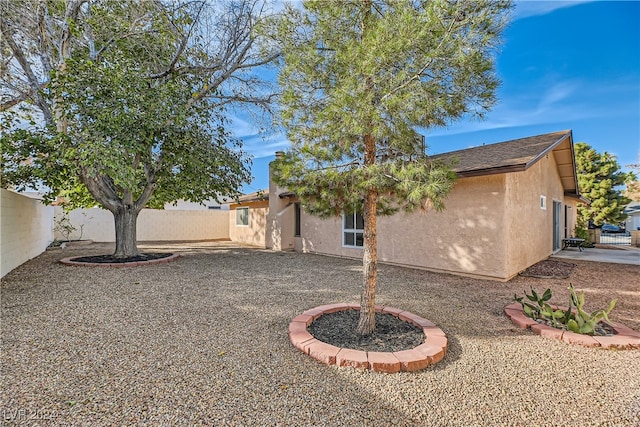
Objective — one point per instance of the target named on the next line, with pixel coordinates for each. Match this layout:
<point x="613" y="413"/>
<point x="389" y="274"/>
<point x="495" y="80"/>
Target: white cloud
<point x="557" y="93"/>
<point x="265" y="147"/>
<point x="527" y="8"/>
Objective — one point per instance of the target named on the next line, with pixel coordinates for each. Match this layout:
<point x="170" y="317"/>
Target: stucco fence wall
<point x="26" y="229"/>
<point x="153" y="225"/>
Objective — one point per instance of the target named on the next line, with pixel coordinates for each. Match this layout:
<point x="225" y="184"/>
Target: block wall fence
<point x="28" y="226"/>
<point x="26" y="229"/>
<point x="153" y="225"/>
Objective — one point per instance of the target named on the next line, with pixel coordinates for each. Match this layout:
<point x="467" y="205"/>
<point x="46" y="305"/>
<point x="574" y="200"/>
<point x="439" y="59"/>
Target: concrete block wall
<point x="153" y="225"/>
<point x="26" y="229"/>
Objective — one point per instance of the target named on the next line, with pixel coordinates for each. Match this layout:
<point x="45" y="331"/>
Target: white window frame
<point x="543" y="203"/>
<point x="239" y="222"/>
<point x="355" y="231"/>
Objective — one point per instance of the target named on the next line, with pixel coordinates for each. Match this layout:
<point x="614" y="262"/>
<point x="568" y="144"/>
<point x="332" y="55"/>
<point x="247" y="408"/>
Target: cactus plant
<point x="531" y="310"/>
<point x="583" y="322"/>
<point x="580" y="322"/>
<point x="543" y="309"/>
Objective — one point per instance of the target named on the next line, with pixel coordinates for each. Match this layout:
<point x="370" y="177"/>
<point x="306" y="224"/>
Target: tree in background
<point x="123" y="103"/>
<point x="599" y="176"/>
<point x="632" y="191"/>
<point x="357" y="77"/>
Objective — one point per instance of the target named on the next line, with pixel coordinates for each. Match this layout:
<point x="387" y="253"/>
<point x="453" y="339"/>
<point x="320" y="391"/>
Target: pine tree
<point x="357" y="78"/>
<point x="599" y="177"/>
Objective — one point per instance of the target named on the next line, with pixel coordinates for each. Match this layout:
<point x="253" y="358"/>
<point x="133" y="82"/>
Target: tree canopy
<point x="380" y="68"/>
<point x="124" y="103"/>
<point x="600" y="180"/>
<point x="357" y="78"/>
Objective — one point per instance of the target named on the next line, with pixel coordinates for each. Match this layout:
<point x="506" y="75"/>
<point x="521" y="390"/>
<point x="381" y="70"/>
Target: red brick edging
<point x="69" y="261"/>
<point x="428" y="353"/>
<point x="624" y="338"/>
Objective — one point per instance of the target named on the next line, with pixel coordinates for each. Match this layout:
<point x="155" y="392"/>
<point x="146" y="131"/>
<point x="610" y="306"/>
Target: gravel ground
<point x="203" y="341"/>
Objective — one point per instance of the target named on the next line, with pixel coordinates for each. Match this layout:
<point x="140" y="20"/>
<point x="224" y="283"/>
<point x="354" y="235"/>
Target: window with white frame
<point x="543" y="202"/>
<point x="353" y="230"/>
<point x="242" y="217"/>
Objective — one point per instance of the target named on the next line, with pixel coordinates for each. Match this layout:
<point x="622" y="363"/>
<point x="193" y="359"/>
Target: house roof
<point x="518" y="155"/>
<point x="255" y="196"/>
<point x="513" y="156"/>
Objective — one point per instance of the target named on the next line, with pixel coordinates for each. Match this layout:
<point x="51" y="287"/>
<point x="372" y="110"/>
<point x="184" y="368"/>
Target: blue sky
<point x="563" y="65"/>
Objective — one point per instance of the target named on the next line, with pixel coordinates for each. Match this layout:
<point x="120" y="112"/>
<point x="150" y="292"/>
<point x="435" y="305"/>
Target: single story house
<point x="632" y="210"/>
<point x="511" y="206"/>
<point x="248" y="219"/>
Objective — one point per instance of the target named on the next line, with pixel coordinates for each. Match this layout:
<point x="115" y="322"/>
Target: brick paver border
<point x="625" y="338"/>
<point x="69" y="261"/>
<point x="428" y="353"/>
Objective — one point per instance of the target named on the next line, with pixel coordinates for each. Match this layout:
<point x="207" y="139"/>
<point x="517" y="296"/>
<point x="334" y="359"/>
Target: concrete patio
<point x="615" y="255"/>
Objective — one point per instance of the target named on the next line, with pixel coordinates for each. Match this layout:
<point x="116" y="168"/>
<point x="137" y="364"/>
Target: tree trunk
<point x="367" y="321"/>
<point x="126" y="219"/>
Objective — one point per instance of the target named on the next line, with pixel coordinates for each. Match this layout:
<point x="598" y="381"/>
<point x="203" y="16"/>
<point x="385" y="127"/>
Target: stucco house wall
<point x="633" y="218"/>
<point x="499" y="218"/>
<point x="465" y="238"/>
<point x="255" y="232"/>
<point x="529" y="228"/>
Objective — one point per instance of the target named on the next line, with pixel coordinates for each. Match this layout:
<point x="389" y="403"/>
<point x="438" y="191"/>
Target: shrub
<point x="580" y="321"/>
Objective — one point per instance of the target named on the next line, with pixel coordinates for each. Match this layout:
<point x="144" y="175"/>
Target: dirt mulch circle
<point x="110" y="259"/>
<point x="391" y="333"/>
<point x="549" y="269"/>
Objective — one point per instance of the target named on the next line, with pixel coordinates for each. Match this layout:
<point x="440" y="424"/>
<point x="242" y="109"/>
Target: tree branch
<point x="101" y="190"/>
<point x="70" y="15"/>
<point x="181" y="49"/>
<point x="28" y="71"/>
<point x="420" y="73"/>
<point x="42" y="17"/>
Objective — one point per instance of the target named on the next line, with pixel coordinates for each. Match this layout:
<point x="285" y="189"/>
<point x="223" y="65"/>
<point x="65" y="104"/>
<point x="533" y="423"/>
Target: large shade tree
<point x="124" y="103"/>
<point x="357" y="78"/>
<point x="601" y="181"/>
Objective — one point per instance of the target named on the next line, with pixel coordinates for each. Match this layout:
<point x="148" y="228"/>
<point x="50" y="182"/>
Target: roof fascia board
<point x="550" y="149"/>
<point x="492" y="171"/>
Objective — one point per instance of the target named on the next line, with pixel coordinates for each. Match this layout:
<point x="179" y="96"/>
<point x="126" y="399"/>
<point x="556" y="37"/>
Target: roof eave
<point x="576" y="196"/>
<point x="548" y="150"/>
<point x="492" y="171"/>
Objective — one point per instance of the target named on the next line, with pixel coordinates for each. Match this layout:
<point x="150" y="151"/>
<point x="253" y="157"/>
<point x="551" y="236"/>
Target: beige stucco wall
<point x="530" y="227"/>
<point x="26" y="229"/>
<point x="493" y="227"/>
<point x="280" y="230"/>
<point x="466" y="238"/>
<point x="253" y="234"/>
<point x="153" y="225"/>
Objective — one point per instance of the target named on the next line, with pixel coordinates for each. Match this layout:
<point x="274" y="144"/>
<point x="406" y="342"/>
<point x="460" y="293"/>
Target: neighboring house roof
<point x="255" y="196"/>
<point x="256" y="199"/>
<point x="518" y="155"/>
<point x="632" y="208"/>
